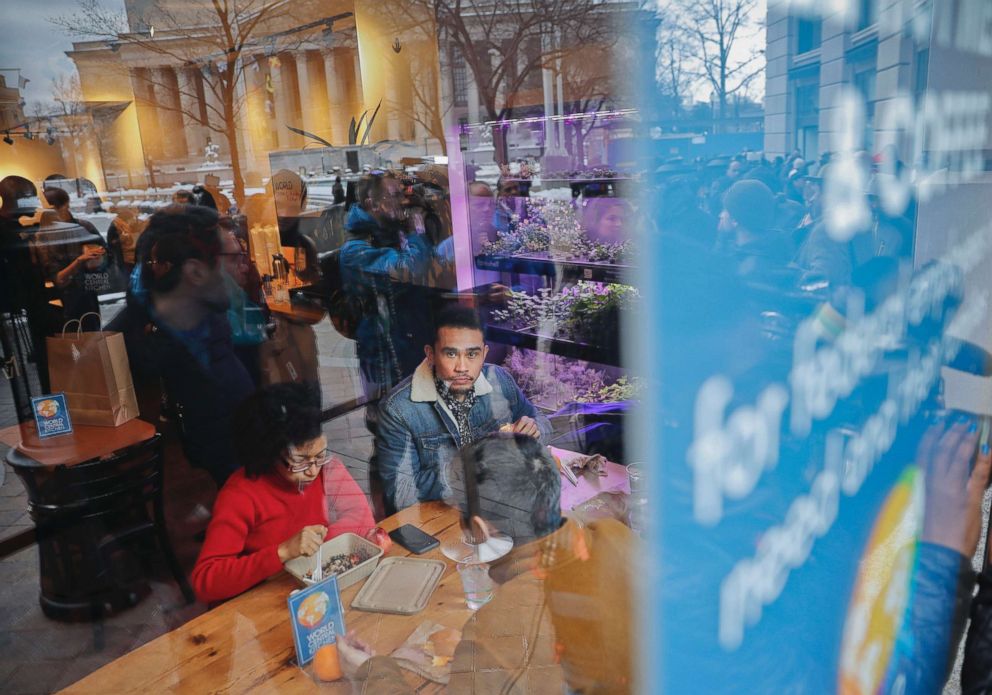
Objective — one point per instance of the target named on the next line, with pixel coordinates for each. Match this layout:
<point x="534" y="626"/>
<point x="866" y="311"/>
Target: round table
<point x="77" y="580"/>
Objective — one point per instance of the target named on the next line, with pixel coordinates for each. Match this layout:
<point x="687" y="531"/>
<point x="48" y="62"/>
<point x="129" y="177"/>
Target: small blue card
<point x="317" y="618"/>
<point x="51" y="415"/>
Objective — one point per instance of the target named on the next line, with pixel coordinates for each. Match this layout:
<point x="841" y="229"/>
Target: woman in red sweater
<point x="289" y="498"/>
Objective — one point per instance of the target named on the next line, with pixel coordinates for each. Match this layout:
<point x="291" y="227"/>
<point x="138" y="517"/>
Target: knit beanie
<point x="752" y="204"/>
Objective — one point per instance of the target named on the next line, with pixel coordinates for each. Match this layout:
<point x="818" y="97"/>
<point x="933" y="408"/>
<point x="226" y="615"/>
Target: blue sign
<point x="814" y="346"/>
<point x="51" y="415"/>
<point x="317" y="618"/>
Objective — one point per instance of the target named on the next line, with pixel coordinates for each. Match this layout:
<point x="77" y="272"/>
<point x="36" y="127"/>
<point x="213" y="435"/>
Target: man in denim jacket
<point x="452" y="399"/>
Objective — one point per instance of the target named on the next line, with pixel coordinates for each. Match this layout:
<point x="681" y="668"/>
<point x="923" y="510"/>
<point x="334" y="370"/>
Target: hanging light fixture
<point x="7" y="139"/>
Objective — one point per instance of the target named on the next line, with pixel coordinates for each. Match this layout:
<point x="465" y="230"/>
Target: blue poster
<point x="51" y="415"/>
<point x="317" y="618"/>
<point x="815" y="353"/>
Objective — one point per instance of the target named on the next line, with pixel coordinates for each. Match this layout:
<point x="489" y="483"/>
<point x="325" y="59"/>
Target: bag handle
<point x="79" y="323"/>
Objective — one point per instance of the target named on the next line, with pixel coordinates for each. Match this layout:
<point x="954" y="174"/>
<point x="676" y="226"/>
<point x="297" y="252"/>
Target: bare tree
<point x="723" y="45"/>
<point x="588" y="75"/>
<point x="215" y="37"/>
<point x="504" y="41"/>
<point x="673" y="74"/>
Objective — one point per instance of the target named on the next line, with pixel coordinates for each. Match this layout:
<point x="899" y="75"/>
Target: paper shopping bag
<point x="93" y="371"/>
<point x="291" y="353"/>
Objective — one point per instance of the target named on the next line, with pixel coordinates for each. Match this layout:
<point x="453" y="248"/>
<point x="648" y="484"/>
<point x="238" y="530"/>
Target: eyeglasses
<point x="239" y="256"/>
<point x="301" y="464"/>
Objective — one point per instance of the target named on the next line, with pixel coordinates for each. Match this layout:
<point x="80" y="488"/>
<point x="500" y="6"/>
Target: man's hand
<point x="90" y="254"/>
<point x="90" y="258"/>
<point x="953" y="511"/>
<point x="352" y="654"/>
<point x="305" y="542"/>
<point x="527" y="425"/>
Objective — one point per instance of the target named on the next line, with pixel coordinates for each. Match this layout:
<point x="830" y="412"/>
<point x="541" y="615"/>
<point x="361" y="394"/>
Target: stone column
<point x="282" y="103"/>
<point x="173" y="131"/>
<point x="777" y="129"/>
<point x="251" y="140"/>
<point x="833" y="76"/>
<point x="390" y="111"/>
<point x="316" y="107"/>
<point x="472" y="97"/>
<point x="338" y="112"/>
<point x="308" y="117"/>
<point x="149" y="128"/>
<point x="358" y="98"/>
<point x="193" y="109"/>
<point x="896" y="53"/>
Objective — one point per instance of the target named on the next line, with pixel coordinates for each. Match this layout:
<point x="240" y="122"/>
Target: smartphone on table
<point x="413" y="539"/>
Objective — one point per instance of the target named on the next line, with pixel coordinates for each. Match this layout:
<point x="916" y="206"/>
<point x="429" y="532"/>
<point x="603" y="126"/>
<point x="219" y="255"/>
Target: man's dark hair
<point x="56" y="197"/>
<point x="12" y="189"/>
<point x="184" y="197"/>
<point x="370" y="186"/>
<point x="271" y="420"/>
<point x="176" y="234"/>
<point x="201" y="196"/>
<point x="457" y="316"/>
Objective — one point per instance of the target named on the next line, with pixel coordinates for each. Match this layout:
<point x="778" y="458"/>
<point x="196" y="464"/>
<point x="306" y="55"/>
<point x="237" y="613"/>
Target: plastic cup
<point x="476" y="583"/>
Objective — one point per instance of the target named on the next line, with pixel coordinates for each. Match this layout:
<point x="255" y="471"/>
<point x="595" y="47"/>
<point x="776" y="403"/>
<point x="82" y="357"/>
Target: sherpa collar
<point x="422" y="388"/>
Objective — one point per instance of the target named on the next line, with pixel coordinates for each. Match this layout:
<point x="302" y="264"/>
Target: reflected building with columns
<point x="156" y="111"/>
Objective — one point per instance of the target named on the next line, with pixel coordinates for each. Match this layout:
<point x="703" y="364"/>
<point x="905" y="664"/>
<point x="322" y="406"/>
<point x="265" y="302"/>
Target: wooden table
<point x="84" y="443"/>
<point x="247" y="643"/>
<point x="68" y="479"/>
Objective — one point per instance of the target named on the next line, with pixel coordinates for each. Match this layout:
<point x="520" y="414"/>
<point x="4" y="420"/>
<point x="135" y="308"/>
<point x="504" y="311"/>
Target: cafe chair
<point x="90" y="519"/>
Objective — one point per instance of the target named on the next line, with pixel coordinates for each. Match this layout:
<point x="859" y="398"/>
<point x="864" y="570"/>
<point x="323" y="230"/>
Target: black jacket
<point x="976" y="673"/>
<point x="205" y="395"/>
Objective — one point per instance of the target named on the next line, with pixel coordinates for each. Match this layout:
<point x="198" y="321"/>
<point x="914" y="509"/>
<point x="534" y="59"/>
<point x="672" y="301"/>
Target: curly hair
<point x="271" y="420"/>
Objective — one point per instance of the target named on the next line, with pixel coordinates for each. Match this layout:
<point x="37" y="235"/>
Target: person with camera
<point x="381" y="265"/>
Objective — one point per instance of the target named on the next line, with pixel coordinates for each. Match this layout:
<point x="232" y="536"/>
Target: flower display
<point x="583" y="311"/>
<point x="553" y="381"/>
<point x="553" y="226"/>
<point x="595" y="173"/>
<point x="623" y="389"/>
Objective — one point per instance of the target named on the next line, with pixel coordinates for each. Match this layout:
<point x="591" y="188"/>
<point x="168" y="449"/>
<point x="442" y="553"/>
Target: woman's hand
<point x="305" y="543"/>
<point x="380" y="538"/>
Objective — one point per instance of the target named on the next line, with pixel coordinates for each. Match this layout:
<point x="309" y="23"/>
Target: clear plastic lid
<point x="490" y="550"/>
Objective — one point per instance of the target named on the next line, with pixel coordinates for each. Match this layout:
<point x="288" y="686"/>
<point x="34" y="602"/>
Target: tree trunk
<point x="437" y="128"/>
<point x="231" y="131"/>
<point x="580" y="143"/>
